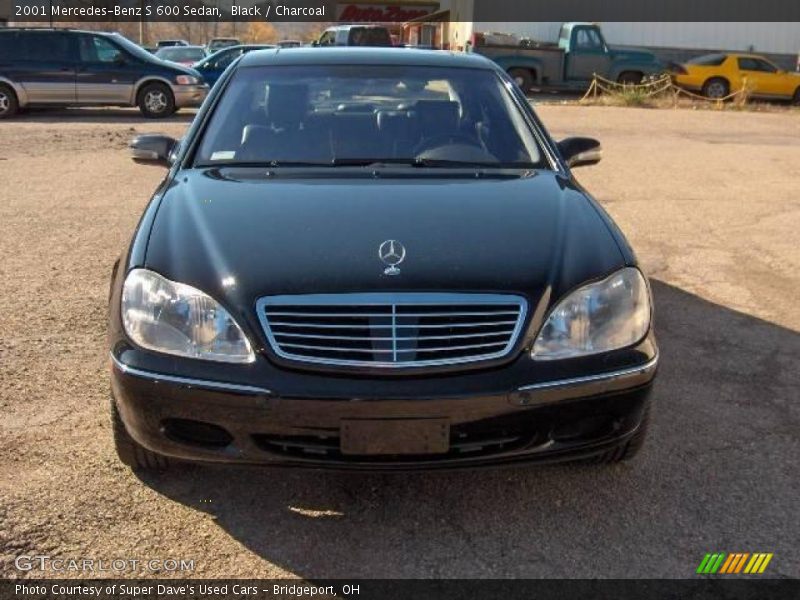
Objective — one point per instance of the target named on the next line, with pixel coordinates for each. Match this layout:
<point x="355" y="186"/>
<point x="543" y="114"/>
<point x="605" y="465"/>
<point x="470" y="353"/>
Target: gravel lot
<point x="709" y="200"/>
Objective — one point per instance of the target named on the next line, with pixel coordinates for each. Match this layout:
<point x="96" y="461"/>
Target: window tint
<point x="96" y="49"/>
<point x="369" y="36"/>
<point x="708" y="60"/>
<point x="588" y="39"/>
<point x="339" y="112"/>
<point x="181" y="54"/>
<point x="226" y="58"/>
<point x="328" y="38"/>
<point x="132" y="49"/>
<point x="755" y="64"/>
<point x="45" y="46"/>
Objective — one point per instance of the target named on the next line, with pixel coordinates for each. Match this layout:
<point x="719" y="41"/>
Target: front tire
<point x="716" y="88"/>
<point x="129" y="451"/>
<point x="522" y="77"/>
<point x="156" y="101"/>
<point x="629" y="78"/>
<point x="796" y="97"/>
<point x="9" y="105"/>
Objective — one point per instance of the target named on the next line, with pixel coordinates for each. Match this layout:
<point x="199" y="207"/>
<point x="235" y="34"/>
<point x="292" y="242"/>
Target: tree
<point x="261" y="32"/>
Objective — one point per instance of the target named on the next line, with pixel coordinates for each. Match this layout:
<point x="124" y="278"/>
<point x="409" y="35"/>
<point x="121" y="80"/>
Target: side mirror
<point x="153" y="149"/>
<point x="580" y="151"/>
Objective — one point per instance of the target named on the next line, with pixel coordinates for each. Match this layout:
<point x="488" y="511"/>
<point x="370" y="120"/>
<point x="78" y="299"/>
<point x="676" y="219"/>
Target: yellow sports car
<point x="717" y="75"/>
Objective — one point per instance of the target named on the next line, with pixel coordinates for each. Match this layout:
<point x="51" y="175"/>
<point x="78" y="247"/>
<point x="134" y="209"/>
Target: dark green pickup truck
<point x="570" y="63"/>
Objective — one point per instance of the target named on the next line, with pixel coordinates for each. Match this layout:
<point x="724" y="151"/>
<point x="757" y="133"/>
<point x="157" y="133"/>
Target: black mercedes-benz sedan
<point x="375" y="259"/>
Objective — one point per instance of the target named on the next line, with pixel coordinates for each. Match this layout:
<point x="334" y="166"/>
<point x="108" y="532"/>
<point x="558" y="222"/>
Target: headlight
<point x="186" y="80"/>
<point x="165" y="316"/>
<point x="598" y="317"/>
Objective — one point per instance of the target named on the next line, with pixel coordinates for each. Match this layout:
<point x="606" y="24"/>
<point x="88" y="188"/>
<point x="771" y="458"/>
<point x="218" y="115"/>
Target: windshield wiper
<point x="376" y="162"/>
<point x="430" y="162"/>
<point x="267" y="163"/>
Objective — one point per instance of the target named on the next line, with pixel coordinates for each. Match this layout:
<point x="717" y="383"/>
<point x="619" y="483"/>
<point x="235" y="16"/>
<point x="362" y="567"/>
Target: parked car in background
<point x="211" y="67"/>
<point x="385" y="262"/>
<point x="289" y="44"/>
<point x="220" y="43"/>
<point x="183" y="55"/>
<point x="169" y="43"/>
<point x="568" y="64"/>
<point x="355" y="35"/>
<point x="67" y="67"/>
<point x="718" y="75"/>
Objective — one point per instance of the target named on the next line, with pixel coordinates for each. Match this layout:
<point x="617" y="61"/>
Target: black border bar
<point x="729" y="588"/>
<point x="62" y="11"/>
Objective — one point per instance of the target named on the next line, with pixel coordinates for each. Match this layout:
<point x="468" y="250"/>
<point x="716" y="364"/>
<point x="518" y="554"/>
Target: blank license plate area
<point x="395" y="436"/>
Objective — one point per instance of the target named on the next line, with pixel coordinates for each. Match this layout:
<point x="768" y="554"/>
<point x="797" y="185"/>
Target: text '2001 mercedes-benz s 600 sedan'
<point x="375" y="259"/>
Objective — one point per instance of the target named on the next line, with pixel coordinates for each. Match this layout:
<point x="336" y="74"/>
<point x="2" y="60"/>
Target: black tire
<point x="631" y="447"/>
<point x="796" y="97"/>
<point x="523" y="78"/>
<point x="129" y="451"/>
<point x="716" y="88"/>
<point x="630" y="78"/>
<point x="156" y="101"/>
<point x="9" y="105"/>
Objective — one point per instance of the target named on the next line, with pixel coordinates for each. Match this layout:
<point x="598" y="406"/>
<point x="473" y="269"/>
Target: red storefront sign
<point x="382" y="13"/>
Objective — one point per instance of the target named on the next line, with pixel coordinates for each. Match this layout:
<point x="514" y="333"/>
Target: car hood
<point x="176" y="67"/>
<point x="239" y="237"/>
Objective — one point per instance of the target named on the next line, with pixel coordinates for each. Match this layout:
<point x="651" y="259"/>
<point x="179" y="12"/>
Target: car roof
<point x="46" y="29"/>
<point x="365" y="55"/>
<point x="355" y="25"/>
<point x="747" y="55"/>
<point x="227" y="49"/>
<point x="190" y="47"/>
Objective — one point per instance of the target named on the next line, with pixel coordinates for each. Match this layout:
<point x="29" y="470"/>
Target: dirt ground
<point x="711" y="203"/>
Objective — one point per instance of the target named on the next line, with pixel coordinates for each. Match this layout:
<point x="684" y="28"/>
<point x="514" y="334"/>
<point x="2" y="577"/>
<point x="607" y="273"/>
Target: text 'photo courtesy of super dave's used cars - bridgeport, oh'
<point x="375" y="259"/>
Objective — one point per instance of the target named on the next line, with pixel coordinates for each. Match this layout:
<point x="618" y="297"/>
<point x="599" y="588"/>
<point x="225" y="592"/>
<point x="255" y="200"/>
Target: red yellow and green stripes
<point x="735" y="562"/>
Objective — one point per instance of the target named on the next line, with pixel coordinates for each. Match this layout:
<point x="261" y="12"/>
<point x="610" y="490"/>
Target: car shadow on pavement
<point x="718" y="471"/>
<point x="99" y="115"/>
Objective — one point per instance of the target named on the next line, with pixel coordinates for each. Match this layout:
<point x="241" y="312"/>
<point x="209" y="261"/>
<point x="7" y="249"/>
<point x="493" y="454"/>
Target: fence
<point x="660" y="87"/>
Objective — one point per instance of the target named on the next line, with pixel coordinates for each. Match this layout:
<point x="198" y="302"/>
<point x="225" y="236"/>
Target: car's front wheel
<point x="630" y="78"/>
<point x="129" y="451"/>
<point x="156" y="101"/>
<point x="796" y="97"/>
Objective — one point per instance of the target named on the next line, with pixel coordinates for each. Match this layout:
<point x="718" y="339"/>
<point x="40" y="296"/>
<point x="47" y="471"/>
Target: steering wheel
<point x="444" y="139"/>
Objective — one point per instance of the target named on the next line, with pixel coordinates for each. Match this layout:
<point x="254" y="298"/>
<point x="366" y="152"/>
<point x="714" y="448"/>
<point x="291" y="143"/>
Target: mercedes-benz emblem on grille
<point x="392" y="253"/>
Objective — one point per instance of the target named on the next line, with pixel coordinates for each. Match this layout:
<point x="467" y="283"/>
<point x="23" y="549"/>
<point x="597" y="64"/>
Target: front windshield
<point x="132" y="48"/>
<point x="345" y="114"/>
<point x="181" y="54"/>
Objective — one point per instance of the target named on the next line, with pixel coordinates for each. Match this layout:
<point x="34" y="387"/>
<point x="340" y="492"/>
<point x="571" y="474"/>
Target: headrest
<point x="445" y="114"/>
<point x="287" y="103"/>
<point x="393" y="121"/>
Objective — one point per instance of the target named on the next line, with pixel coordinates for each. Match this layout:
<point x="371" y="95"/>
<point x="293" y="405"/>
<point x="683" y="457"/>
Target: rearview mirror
<point x="153" y="148"/>
<point x="580" y="151"/>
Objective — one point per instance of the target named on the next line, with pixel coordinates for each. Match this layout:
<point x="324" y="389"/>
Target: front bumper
<point x="209" y="420"/>
<point x="189" y="95"/>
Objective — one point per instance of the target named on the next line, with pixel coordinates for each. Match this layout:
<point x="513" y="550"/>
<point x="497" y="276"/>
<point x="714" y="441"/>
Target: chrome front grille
<point x="393" y="330"/>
